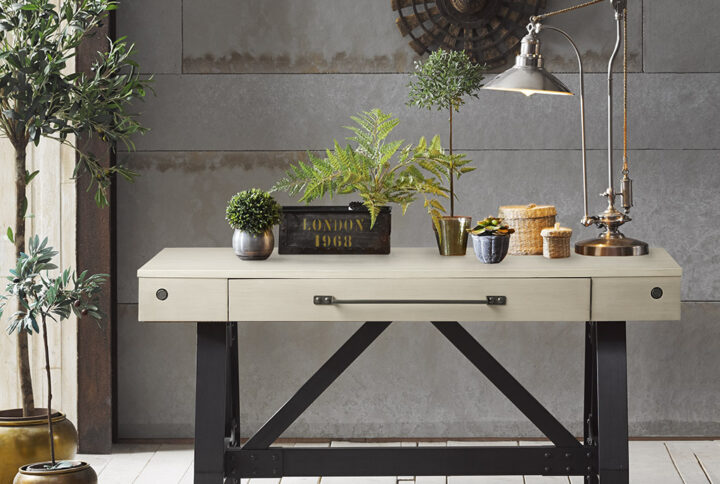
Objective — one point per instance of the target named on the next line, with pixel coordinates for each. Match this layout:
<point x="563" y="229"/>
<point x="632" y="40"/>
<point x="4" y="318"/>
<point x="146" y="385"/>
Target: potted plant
<point x="443" y="82"/>
<point x="253" y="213"/>
<point x="42" y="98"/>
<point x="491" y="240"/>
<point x="44" y="298"/>
<point x="379" y="171"/>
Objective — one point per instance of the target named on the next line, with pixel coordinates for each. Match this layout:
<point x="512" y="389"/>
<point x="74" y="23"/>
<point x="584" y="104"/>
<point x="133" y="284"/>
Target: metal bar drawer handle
<point x="331" y="300"/>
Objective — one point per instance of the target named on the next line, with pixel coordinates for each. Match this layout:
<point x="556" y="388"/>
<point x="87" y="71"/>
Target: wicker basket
<point x="556" y="242"/>
<point x="528" y="221"/>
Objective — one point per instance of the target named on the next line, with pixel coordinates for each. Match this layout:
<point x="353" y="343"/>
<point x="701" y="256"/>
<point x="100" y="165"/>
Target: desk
<point x="217" y="290"/>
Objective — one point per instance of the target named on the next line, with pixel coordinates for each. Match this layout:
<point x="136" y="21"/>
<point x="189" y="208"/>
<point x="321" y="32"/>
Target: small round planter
<point x="491" y="249"/>
<point x="25" y="439"/>
<point x="249" y="246"/>
<point x="79" y="473"/>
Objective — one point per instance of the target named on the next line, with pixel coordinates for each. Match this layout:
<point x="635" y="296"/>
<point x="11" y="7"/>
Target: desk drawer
<point x="178" y="299"/>
<point x="636" y="299"/>
<point x="540" y="299"/>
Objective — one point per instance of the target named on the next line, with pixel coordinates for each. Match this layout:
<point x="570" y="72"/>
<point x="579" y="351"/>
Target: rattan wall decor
<point x="488" y="30"/>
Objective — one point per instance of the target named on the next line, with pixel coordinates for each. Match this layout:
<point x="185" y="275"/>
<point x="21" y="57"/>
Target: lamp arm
<point x="587" y="220"/>
<point x="610" y="193"/>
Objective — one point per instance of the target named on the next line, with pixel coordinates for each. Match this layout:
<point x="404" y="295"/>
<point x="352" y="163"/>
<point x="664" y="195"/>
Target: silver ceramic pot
<point x="249" y="246"/>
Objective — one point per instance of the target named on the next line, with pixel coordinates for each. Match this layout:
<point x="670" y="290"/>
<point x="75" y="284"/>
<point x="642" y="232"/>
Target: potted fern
<point x="443" y="82"/>
<point x="43" y="299"/>
<point x="252" y="214"/>
<point x="381" y="172"/>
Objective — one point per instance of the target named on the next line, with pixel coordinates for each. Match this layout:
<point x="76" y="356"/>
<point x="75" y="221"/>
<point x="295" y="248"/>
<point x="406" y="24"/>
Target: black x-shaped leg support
<point x="601" y="458"/>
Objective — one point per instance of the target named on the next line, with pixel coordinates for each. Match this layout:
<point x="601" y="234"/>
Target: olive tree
<point x="40" y="97"/>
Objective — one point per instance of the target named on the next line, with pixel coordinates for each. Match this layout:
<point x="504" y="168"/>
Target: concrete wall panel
<point x="679" y="36"/>
<point x="290" y="112"/>
<point x="288" y="36"/>
<point x="156" y="30"/>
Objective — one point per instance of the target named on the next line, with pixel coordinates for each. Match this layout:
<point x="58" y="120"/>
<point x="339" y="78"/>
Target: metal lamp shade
<point x="528" y="80"/>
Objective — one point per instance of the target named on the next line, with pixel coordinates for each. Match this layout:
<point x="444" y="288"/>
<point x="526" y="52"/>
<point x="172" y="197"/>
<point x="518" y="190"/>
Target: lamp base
<point x="617" y="245"/>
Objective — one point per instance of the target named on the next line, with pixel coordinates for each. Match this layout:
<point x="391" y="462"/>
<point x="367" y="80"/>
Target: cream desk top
<point x="212" y="284"/>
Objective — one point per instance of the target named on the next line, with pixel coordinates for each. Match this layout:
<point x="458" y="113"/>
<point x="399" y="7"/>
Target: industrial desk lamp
<point x="529" y="77"/>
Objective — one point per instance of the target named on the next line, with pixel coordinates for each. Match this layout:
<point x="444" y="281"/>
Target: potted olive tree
<point x="43" y="299"/>
<point x="443" y="82"/>
<point x="253" y="213"/>
<point x="41" y="98"/>
<point x="381" y="172"/>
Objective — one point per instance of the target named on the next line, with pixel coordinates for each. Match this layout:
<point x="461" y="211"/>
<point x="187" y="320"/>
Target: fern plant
<point x="379" y="171"/>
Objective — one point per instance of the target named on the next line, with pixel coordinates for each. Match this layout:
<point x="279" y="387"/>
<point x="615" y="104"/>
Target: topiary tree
<point x="442" y="82"/>
<point x="253" y="211"/>
<point x="39" y="98"/>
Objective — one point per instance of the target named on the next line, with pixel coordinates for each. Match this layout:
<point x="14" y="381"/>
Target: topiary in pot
<point x="442" y="82"/>
<point x="43" y="298"/>
<point x="253" y="213"/>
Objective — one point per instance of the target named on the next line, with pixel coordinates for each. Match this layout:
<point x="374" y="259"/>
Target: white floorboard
<point x="169" y="464"/>
<point x="127" y="463"/>
<point x="651" y="463"/>
<point x="686" y="462"/>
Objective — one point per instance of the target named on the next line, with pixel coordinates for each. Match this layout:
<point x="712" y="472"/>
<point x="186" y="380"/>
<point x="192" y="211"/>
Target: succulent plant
<point x="253" y="211"/>
<point x="492" y="226"/>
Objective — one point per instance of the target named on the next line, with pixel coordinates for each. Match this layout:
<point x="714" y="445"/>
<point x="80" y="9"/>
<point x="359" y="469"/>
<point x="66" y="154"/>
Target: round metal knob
<point x="656" y="292"/>
<point x="161" y="294"/>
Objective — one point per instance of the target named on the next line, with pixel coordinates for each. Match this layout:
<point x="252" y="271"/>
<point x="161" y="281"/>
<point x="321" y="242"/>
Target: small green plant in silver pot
<point x="491" y="240"/>
<point x="253" y="213"/>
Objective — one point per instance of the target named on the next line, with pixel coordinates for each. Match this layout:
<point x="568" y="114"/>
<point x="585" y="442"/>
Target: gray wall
<point x="243" y="88"/>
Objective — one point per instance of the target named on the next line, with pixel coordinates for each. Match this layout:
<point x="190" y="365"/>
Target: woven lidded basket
<point x="528" y="221"/>
<point x="556" y="242"/>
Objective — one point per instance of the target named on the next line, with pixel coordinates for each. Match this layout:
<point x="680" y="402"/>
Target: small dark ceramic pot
<point x="249" y="246"/>
<point x="491" y="249"/>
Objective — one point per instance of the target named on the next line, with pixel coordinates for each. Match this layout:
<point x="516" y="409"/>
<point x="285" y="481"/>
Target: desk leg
<point x="611" y="405"/>
<point x="210" y="403"/>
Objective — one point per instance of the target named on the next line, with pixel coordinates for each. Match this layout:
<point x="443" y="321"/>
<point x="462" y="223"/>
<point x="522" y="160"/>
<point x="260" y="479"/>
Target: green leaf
<point x="10" y="235"/>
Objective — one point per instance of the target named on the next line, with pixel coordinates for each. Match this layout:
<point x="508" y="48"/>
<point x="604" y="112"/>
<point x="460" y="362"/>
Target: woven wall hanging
<point x="488" y="30"/>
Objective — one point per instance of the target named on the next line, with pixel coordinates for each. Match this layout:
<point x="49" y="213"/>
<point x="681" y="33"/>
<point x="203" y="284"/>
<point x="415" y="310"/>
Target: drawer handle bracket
<point x="331" y="301"/>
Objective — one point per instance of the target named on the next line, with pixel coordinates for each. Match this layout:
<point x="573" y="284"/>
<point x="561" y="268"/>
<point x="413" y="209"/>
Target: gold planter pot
<point x="80" y="473"/>
<point x="25" y="440"/>
<point x="453" y="235"/>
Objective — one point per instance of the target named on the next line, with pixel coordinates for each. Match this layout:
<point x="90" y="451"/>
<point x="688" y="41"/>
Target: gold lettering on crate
<point x="332" y="233"/>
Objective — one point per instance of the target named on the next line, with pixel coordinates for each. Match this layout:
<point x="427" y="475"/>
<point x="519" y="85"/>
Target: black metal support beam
<point x="232" y="410"/>
<point x="417" y="461"/>
<point x="210" y="403"/>
<point x="507" y="384"/>
<point x="316" y="385"/>
<point x="611" y="402"/>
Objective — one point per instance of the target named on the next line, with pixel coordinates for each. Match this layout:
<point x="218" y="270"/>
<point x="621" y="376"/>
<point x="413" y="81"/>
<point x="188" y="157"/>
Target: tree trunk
<point x="49" y="390"/>
<point x="452" y="174"/>
<point x="23" y="354"/>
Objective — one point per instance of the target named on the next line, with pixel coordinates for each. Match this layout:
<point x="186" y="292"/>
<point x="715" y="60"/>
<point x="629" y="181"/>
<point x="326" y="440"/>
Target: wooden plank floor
<point x="651" y="462"/>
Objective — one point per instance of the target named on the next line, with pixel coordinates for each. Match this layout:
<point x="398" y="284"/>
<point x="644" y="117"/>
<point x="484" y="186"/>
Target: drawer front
<point x="636" y="299"/>
<point x="293" y="299"/>
<point x="182" y="299"/>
